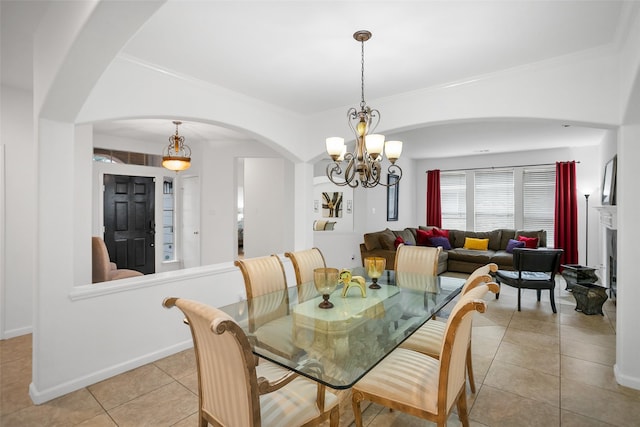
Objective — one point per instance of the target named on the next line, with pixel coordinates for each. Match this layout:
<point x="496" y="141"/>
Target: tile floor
<point x="532" y="368"/>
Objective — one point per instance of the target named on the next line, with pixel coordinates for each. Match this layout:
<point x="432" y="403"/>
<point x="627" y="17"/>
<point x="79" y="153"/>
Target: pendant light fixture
<point x="177" y="155"/>
<point x="363" y="165"/>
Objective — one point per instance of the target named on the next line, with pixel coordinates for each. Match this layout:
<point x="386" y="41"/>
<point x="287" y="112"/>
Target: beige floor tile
<point x="129" y="385"/>
<point x="14" y="396"/>
<point x="190" y="421"/>
<point x="604" y="405"/>
<point x="70" y="409"/>
<point x="164" y="406"/>
<point x="494" y="407"/>
<point x="483" y="330"/>
<point x="532" y="339"/>
<point x="16" y="348"/>
<point x="533" y="325"/>
<point x="102" y="420"/>
<point x="588" y="336"/>
<point x="486" y="347"/>
<point x="540" y="360"/>
<point x="190" y="381"/>
<point x="179" y="364"/>
<point x="594" y="322"/>
<point x="481" y="366"/>
<point x="569" y="419"/>
<point x="524" y="382"/>
<point x="596" y="375"/>
<point x="16" y="371"/>
<point x="589" y="352"/>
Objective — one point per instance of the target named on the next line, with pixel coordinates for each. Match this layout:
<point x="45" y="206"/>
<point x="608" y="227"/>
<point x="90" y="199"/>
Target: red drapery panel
<point x="566" y="212"/>
<point x="434" y="208"/>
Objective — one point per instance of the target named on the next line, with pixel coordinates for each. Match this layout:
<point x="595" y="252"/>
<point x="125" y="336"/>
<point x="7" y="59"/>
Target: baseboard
<point x="16" y="332"/>
<point x="42" y="396"/>
<point x="624" y="380"/>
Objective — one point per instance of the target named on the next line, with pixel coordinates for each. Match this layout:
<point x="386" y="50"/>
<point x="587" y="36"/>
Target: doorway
<point x="191" y="221"/>
<point x="129" y="225"/>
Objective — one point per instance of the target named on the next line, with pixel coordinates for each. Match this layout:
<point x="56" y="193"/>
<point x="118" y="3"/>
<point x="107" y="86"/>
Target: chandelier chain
<point x="362" y="103"/>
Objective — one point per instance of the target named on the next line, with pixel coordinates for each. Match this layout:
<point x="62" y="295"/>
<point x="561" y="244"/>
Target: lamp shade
<point x="176" y="163"/>
<point x="374" y="144"/>
<point x="393" y="149"/>
<point x="335" y="146"/>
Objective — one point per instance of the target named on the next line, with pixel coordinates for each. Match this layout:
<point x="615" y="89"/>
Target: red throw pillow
<point x="438" y="232"/>
<point x="423" y="236"/>
<point x="399" y="241"/>
<point x="529" y="242"/>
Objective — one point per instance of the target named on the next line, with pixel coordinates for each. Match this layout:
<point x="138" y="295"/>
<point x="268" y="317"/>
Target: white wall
<point x="20" y="211"/>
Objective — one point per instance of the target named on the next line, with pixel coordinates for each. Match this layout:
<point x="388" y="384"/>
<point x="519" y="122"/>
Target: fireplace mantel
<point x="608" y="216"/>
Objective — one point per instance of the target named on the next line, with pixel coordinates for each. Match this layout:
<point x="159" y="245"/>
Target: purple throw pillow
<point x="440" y="241"/>
<point x="514" y="244"/>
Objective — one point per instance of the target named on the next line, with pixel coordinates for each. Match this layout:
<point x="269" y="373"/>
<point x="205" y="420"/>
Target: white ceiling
<point x="300" y="55"/>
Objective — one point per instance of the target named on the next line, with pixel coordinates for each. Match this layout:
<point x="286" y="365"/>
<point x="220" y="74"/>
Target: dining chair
<point x="417" y="259"/>
<point x="230" y="391"/>
<point x="428" y="338"/>
<point x="268" y="303"/>
<point x="420" y="385"/>
<point x="102" y="269"/>
<point x="533" y="269"/>
<point x="304" y="262"/>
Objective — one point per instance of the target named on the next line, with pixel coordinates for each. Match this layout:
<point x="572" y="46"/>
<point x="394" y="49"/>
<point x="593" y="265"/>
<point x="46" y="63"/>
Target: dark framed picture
<point x="609" y="182"/>
<point x="392" y="197"/>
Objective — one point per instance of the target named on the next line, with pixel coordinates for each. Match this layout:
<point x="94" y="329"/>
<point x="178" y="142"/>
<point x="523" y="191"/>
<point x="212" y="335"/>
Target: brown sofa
<point x="457" y="259"/>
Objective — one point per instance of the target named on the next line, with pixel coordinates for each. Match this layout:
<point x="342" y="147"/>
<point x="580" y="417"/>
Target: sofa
<point x="457" y="258"/>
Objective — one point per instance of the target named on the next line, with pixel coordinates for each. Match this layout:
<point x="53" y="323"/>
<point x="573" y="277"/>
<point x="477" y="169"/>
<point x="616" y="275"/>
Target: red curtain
<point x="566" y="213"/>
<point x="434" y="208"/>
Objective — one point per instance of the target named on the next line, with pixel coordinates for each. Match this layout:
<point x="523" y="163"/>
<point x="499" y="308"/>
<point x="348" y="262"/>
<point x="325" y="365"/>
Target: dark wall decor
<point x="609" y="182"/>
<point x="392" y="197"/>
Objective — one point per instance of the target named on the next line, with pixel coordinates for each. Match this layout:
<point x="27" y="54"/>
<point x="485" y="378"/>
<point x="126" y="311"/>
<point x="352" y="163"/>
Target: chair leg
<point x="463" y="414"/>
<point x="334" y="417"/>
<point x="539" y="292"/>
<point x="553" y="300"/>
<point x="357" y="414"/>
<point x="472" y="383"/>
<point x="519" y="291"/>
<point x="498" y="293"/>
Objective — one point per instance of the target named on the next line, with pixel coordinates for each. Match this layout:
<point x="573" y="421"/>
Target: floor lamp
<point x="586" y="233"/>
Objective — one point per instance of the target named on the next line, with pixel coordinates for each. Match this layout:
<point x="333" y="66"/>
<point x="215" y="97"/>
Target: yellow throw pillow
<point x="476" y="244"/>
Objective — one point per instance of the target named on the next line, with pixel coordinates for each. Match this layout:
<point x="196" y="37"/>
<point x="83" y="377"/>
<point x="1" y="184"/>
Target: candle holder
<point x="374" y="266"/>
<point x="326" y="281"/>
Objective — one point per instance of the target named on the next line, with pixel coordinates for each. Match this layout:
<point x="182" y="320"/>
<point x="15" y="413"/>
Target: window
<point x="453" y="197"/>
<point x="494" y="200"/>
<point x="538" y="194"/>
<point x="168" y="221"/>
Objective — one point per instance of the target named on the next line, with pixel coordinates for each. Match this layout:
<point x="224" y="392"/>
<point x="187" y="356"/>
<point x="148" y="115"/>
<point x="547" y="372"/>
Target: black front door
<point x="129" y="228"/>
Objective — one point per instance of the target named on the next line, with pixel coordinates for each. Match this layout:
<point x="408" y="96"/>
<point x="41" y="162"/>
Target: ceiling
<point x="300" y="56"/>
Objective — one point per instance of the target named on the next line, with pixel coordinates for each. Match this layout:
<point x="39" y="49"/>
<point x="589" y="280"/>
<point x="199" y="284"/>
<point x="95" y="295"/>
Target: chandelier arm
<point x="334" y="171"/>
<point x="393" y="170"/>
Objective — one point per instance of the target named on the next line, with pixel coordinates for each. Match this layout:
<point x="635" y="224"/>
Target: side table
<point x="578" y="274"/>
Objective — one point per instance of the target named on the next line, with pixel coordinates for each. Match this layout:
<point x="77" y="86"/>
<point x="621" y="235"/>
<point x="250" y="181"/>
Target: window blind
<point x="538" y="193"/>
<point x="494" y="200"/>
<point x="453" y="199"/>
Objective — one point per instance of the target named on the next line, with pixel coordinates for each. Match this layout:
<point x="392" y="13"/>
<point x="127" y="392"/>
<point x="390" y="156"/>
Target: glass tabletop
<point x="337" y="346"/>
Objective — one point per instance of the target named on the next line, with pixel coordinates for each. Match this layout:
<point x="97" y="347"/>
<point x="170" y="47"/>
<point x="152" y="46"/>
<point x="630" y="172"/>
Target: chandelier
<point x="362" y="166"/>
<point x="177" y="155"/>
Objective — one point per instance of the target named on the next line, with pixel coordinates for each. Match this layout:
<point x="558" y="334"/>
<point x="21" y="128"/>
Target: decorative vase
<point x="326" y="281"/>
<point x="374" y="266"/>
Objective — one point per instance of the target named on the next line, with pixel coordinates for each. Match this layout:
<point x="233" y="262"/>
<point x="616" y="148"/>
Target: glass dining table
<point x="339" y="345"/>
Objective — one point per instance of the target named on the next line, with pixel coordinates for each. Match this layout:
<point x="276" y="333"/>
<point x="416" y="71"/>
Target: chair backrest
<point x="304" y="262"/>
<point x="479" y="275"/>
<point x="227" y="382"/>
<point x="455" y="343"/>
<point x="266" y="286"/>
<point x="417" y="259"/>
<point x="100" y="262"/>
<point x="537" y="260"/>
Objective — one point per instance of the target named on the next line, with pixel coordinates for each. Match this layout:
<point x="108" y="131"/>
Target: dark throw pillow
<point x="514" y="244"/>
<point x="440" y="241"/>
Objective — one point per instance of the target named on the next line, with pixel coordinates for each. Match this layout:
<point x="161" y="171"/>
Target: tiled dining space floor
<point x="532" y="368"/>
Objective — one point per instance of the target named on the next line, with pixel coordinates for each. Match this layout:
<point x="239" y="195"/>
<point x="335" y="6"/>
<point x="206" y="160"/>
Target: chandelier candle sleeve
<point x="363" y="166"/>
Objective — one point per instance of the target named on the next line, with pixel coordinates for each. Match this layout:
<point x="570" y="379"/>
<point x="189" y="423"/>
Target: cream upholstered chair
<point x="421" y="385"/>
<point x="428" y="338"/>
<point x="417" y="259"/>
<point x="268" y="303"/>
<point x="230" y="391"/>
<point x="102" y="269"/>
<point x="304" y="262"/>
